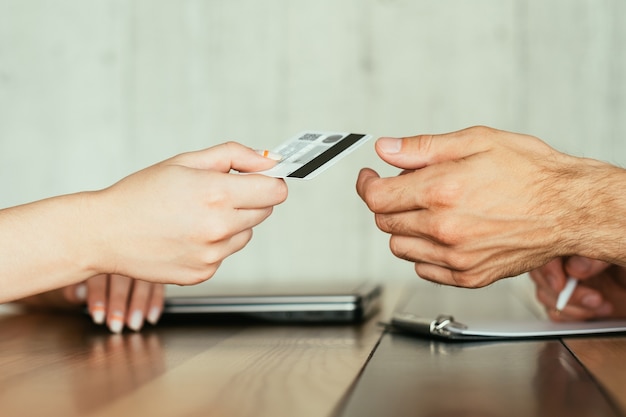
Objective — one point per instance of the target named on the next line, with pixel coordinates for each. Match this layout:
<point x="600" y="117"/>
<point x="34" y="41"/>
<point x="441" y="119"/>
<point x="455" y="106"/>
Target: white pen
<point x="565" y="294"/>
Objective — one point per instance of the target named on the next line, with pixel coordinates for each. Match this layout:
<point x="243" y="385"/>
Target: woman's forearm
<point x="45" y="245"/>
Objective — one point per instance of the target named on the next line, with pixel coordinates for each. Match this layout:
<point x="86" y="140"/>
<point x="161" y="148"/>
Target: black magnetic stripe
<point x="326" y="156"/>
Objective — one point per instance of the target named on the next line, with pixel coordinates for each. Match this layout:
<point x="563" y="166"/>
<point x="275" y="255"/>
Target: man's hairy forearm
<point x="598" y="227"/>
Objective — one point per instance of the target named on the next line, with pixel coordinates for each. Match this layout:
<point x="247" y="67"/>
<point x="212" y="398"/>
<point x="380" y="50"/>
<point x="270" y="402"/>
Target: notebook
<point x="499" y="311"/>
<point x="310" y="303"/>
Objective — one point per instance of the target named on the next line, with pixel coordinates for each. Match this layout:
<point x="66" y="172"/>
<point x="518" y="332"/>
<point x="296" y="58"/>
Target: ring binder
<point x="443" y="326"/>
<point x="446" y="327"/>
<point x="497" y="312"/>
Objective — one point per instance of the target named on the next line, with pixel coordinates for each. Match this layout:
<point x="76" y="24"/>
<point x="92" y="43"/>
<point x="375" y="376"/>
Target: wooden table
<point x="62" y="365"/>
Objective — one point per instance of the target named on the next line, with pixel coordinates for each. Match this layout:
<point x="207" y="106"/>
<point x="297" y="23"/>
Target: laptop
<point x="301" y="303"/>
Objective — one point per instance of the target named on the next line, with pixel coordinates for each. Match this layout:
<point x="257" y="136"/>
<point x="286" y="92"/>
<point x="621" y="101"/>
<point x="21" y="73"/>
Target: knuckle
<point x="230" y="243"/>
<point x="482" y="134"/>
<point x="217" y="197"/>
<point x="446" y="231"/>
<point x="419" y="271"/>
<point x="211" y="257"/>
<point x="467" y="279"/>
<point x="218" y="231"/>
<point x="481" y="131"/>
<point x="375" y="197"/>
<point x="232" y="146"/>
<point x="224" y="227"/>
<point x="384" y="222"/>
<point x="460" y="261"/>
<point x="423" y="143"/>
<point x="399" y="249"/>
<point x="202" y="275"/>
<point x="444" y="193"/>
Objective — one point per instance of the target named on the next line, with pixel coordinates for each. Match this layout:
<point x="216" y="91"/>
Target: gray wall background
<point x="91" y="91"/>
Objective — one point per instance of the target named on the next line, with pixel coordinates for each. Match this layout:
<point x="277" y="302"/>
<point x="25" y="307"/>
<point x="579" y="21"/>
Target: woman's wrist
<point x="91" y="248"/>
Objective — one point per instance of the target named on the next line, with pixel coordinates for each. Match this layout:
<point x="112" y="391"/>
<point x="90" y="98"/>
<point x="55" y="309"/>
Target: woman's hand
<point x="113" y="300"/>
<point x="118" y="301"/>
<point x="173" y="222"/>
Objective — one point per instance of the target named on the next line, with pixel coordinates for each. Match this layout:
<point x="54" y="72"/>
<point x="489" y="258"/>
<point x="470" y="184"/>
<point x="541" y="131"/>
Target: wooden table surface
<point x="62" y="365"/>
<point x="605" y="359"/>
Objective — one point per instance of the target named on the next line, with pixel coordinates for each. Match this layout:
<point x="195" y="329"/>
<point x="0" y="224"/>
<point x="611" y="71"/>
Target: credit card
<point x="309" y="153"/>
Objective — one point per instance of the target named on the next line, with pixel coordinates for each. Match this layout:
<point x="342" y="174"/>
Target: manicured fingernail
<point x="591" y="300"/>
<point x="81" y="292"/>
<point x="136" y="320"/>
<point x="154" y="315"/>
<point x="98" y="312"/>
<point x="116" y="323"/>
<point x="389" y="145"/>
<point x="269" y="154"/>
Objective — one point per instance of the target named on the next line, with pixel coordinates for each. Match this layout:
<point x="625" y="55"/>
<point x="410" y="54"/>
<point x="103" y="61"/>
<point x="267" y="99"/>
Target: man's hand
<point x="600" y="294"/>
<point x="477" y="205"/>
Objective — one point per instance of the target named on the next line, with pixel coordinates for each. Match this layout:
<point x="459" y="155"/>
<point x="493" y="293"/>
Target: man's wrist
<point x="598" y="229"/>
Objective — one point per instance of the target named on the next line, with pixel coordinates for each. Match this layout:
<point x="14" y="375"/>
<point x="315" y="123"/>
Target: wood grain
<point x="61" y="365"/>
<point x="604" y="359"/>
<point x="64" y="365"/>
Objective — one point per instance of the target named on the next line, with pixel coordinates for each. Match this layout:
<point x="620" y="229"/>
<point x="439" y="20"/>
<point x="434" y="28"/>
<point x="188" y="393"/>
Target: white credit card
<point x="310" y="153"/>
